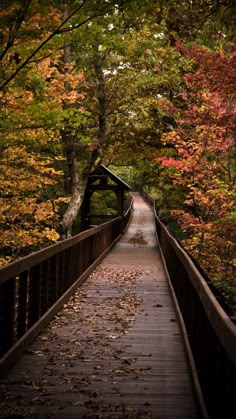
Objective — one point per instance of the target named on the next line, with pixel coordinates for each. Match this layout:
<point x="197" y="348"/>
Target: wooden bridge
<point x="143" y="337"/>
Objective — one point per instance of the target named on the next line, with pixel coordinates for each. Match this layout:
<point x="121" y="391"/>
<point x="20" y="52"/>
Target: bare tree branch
<point x="20" y="18"/>
<point x="57" y="31"/>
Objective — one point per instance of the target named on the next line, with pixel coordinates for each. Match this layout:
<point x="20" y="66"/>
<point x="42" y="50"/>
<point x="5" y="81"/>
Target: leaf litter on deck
<point x="99" y="312"/>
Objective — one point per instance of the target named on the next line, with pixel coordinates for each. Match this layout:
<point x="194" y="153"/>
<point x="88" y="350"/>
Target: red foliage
<point x="204" y="156"/>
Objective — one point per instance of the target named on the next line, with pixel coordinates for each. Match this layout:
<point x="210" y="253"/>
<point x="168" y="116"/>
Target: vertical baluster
<point x="90" y="239"/>
<point x="7" y="314"/>
<point x="200" y="349"/>
<point x="99" y="243"/>
<point x="34" y="295"/>
<point x="73" y="264"/>
<point x="51" y="281"/>
<point x="187" y="289"/>
<point x="67" y="270"/>
<point x="22" y="308"/>
<point x="44" y="287"/>
<point x="220" y="383"/>
<point x="61" y="272"/>
<point x="93" y="247"/>
<point x="209" y="369"/>
<point x="229" y="385"/>
<point x="56" y="277"/>
<point x="77" y="258"/>
<point x="193" y="307"/>
<point x="113" y="231"/>
<point x="86" y="253"/>
<point x="80" y="257"/>
<point x="105" y="239"/>
<point x="119" y="228"/>
<point x="2" y="319"/>
<point x="95" y="244"/>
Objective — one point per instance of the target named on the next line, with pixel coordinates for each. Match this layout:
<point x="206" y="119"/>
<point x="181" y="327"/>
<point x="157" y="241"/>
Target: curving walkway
<point x="115" y="351"/>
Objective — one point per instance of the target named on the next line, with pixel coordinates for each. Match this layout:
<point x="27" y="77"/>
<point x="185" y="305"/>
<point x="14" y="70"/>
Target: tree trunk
<point x="79" y="171"/>
<point x="78" y="189"/>
<point x="67" y="136"/>
<point x="101" y="101"/>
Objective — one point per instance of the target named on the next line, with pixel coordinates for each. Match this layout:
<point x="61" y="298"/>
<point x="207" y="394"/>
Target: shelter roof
<point x="102" y="172"/>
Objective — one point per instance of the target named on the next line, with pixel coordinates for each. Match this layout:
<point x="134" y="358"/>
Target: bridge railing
<point x="34" y="288"/>
<point x="211" y="332"/>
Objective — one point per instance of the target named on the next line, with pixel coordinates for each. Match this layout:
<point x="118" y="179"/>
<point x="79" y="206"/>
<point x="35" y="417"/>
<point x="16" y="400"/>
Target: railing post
<point x="22" y="304"/>
<point x="35" y="283"/>
<point x="44" y="288"/>
<point x="7" y="314"/>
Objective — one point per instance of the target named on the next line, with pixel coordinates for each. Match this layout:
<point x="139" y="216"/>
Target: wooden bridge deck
<point x="115" y="351"/>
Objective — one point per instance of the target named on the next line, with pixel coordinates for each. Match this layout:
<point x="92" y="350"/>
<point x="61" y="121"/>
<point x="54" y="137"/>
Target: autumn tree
<point x="38" y="112"/>
<point x="202" y="161"/>
<point x="36" y="108"/>
<point x="100" y="44"/>
<point x="31" y="114"/>
<point x="176" y="124"/>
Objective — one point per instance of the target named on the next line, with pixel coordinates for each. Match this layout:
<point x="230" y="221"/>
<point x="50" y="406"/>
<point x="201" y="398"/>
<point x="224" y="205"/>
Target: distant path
<point x="115" y="351"/>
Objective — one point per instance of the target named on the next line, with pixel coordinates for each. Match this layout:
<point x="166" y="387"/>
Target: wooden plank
<point x="116" y="348"/>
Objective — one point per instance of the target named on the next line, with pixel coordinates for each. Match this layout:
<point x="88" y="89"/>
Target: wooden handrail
<point x="223" y="326"/>
<point x="34" y="288"/>
<point x="211" y="332"/>
<point x="20" y="265"/>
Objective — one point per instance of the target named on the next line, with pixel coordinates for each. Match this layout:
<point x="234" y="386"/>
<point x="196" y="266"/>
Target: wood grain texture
<point x="115" y="350"/>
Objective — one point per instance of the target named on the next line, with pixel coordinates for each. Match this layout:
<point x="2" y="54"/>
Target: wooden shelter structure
<point x="102" y="179"/>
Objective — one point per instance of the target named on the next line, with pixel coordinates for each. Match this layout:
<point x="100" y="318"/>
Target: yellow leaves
<point x="39" y="99"/>
<point x="28" y="220"/>
<point x="67" y="96"/>
<point x="5" y="260"/>
<point x="18" y="239"/>
<point x="27" y="223"/>
<point x="70" y="97"/>
<point x="46" y="21"/>
<point x="22" y="158"/>
<point x="51" y="234"/>
<point x="202" y="109"/>
<point x="64" y="199"/>
<point x="44" y="212"/>
<point x="233" y="262"/>
<point x="170" y="137"/>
